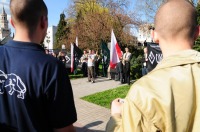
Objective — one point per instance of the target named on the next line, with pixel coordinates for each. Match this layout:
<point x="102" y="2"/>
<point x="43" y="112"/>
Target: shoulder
<point x="149" y="87"/>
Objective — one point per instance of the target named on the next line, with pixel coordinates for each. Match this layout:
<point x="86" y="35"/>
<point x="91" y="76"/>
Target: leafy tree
<point x="62" y="32"/>
<point x="92" y="21"/>
<point x="197" y="42"/>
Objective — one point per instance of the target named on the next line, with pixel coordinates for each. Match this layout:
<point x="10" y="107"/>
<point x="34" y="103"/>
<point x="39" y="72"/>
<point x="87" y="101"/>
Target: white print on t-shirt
<point x="13" y="82"/>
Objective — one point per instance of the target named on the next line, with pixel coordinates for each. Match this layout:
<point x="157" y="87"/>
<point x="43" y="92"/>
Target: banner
<point x="105" y="57"/>
<point x="115" y="51"/>
<point x="105" y="52"/>
<point x="154" y="55"/>
<point x="76" y="54"/>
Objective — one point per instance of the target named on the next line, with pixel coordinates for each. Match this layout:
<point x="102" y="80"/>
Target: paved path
<point x="91" y="117"/>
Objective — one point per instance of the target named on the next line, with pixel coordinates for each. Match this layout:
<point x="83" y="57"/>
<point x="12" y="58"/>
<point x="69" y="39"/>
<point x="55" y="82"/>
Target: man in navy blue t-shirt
<point x="35" y="91"/>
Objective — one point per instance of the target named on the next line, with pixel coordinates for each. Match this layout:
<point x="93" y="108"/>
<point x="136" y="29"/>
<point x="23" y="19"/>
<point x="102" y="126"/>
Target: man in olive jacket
<point x="168" y="98"/>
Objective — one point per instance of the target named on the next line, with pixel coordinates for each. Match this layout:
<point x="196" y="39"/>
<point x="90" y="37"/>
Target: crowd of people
<point x="38" y="97"/>
<point x="61" y="56"/>
<point x="90" y="66"/>
<point x="91" y="60"/>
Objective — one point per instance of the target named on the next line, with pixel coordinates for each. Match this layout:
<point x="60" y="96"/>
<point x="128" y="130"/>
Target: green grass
<point x="79" y="74"/>
<point x="104" y="98"/>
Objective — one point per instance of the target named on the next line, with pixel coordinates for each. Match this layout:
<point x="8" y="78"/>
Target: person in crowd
<point x="90" y="63"/>
<point x="167" y="98"/>
<point x="97" y="62"/>
<point x="105" y="64"/>
<point x="61" y="57"/>
<point x="47" y="51"/>
<point x="54" y="54"/>
<point x="36" y="96"/>
<point x="108" y="73"/>
<point x="119" y="70"/>
<point x="126" y="67"/>
<point x="95" y="58"/>
<point x="84" y="60"/>
<point x="144" y="62"/>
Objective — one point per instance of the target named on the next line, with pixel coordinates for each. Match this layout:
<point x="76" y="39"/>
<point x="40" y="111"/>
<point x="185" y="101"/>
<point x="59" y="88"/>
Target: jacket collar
<point x="180" y="58"/>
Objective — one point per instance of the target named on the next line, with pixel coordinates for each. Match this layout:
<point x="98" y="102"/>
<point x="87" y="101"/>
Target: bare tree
<point x="92" y="21"/>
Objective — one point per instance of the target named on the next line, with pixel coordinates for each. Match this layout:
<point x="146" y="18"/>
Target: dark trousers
<point x="90" y="73"/>
<point x="96" y="68"/>
<point x="84" y="69"/>
<point x="127" y="72"/>
<point x="144" y="70"/>
<point x="119" y="70"/>
<point x="104" y="70"/>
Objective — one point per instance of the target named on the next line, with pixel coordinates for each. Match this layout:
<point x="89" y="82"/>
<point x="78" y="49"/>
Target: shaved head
<point x="175" y="19"/>
<point x="28" y="12"/>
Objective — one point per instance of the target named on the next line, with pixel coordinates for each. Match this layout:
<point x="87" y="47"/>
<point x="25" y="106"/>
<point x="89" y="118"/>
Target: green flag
<point x="105" y="57"/>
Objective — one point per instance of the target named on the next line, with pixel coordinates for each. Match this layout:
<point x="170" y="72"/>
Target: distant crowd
<point x="91" y="60"/>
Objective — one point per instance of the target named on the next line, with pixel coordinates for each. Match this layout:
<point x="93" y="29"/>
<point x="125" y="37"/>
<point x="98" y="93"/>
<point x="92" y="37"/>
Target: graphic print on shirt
<point x="13" y="82"/>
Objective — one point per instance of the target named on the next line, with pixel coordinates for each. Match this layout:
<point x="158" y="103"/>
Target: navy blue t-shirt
<point x="35" y="91"/>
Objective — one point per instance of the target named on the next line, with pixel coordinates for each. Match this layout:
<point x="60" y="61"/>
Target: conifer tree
<point x="62" y="31"/>
<point x="197" y="42"/>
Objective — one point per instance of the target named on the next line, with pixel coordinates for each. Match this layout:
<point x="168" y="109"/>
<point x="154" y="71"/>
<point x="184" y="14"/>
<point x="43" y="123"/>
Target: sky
<point x="55" y="8"/>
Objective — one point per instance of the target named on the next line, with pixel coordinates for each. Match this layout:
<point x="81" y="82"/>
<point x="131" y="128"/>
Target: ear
<point x="12" y="23"/>
<point x="197" y="32"/>
<point x="44" y="22"/>
<point x="155" y="37"/>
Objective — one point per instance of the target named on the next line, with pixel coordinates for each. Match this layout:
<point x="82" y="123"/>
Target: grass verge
<point x="104" y="98"/>
<point x="79" y="74"/>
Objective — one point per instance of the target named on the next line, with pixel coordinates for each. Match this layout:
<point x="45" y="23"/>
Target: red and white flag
<point x="72" y="57"/>
<point x="115" y="51"/>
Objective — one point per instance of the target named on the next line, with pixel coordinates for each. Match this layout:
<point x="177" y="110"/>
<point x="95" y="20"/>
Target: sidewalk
<point x="91" y="117"/>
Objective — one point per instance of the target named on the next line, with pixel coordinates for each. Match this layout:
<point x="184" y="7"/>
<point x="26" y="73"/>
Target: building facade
<point x="144" y="33"/>
<point x="50" y="37"/>
<point x="5" y="31"/>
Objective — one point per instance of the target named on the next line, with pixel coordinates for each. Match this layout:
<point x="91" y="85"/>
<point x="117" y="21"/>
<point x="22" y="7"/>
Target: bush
<point x="136" y="64"/>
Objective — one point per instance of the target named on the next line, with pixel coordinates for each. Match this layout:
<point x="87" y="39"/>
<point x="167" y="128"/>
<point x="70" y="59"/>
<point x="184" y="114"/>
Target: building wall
<point x="50" y="37"/>
<point x="144" y="33"/>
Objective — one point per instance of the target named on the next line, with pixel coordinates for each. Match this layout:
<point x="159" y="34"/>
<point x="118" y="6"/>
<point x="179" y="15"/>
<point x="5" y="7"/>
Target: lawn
<point x="79" y="74"/>
<point x="104" y="98"/>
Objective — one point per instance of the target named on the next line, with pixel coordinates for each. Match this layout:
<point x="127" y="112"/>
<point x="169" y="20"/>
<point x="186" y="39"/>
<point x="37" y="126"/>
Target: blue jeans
<point x="144" y="71"/>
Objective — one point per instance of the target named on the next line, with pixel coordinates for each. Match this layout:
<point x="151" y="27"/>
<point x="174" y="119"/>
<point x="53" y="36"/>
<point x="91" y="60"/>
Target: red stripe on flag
<point x="119" y="53"/>
<point x="112" y="65"/>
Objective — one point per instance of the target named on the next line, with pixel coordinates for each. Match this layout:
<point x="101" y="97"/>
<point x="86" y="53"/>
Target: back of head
<point x="176" y="19"/>
<point x="27" y="13"/>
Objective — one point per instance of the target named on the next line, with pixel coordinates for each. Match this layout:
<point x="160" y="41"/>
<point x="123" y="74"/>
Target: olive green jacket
<point x="167" y="99"/>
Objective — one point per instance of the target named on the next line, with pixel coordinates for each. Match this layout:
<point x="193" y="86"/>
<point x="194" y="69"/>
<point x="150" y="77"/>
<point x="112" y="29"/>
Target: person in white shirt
<point x="91" y="58"/>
